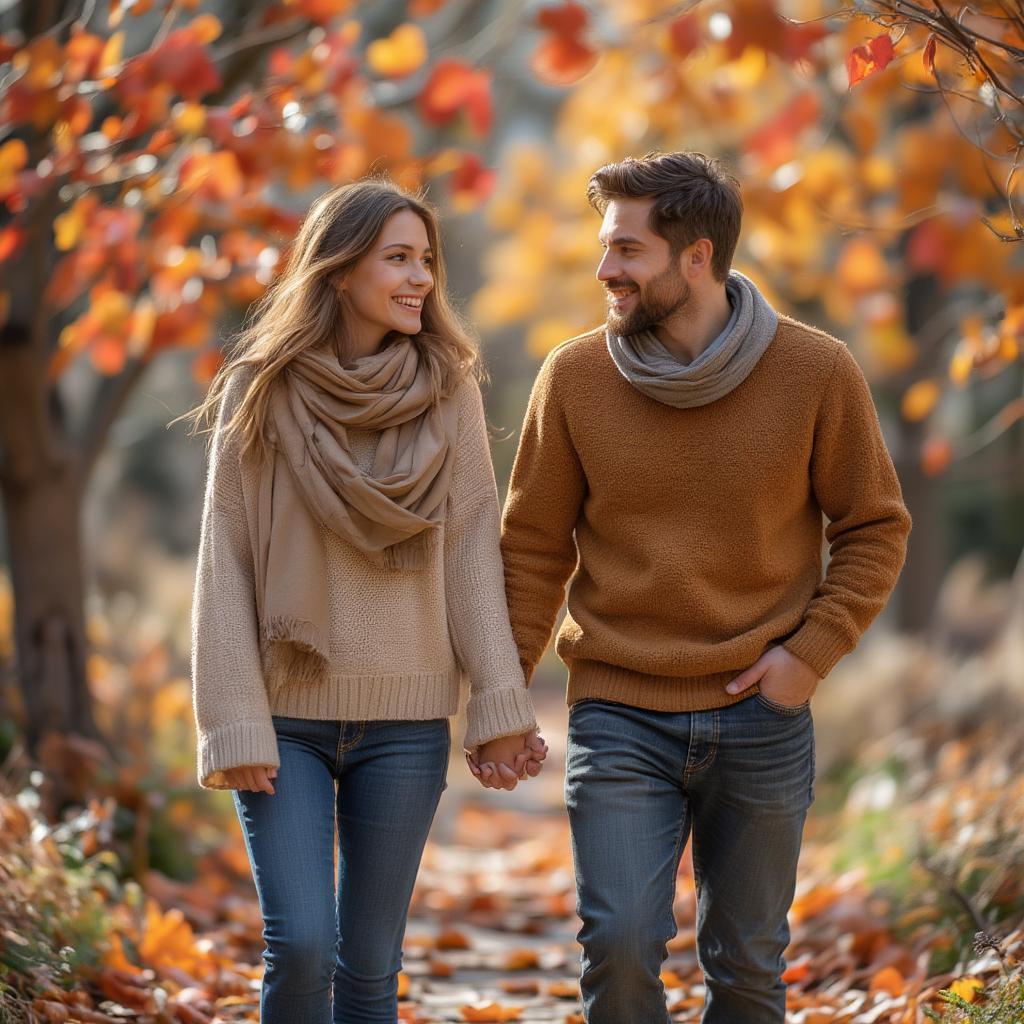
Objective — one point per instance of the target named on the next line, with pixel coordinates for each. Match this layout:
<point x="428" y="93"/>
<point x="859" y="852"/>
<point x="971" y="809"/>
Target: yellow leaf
<point x="920" y="398"/>
<point x="206" y="28"/>
<point x="112" y="53"/>
<point x="189" y="118"/>
<point x="400" y="54"/>
<point x="967" y="988"/>
<point x="862" y="267"/>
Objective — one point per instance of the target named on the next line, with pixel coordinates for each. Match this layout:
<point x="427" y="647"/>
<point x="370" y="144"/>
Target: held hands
<point x="251" y="776"/>
<point x="782" y="677"/>
<point x="502" y="763"/>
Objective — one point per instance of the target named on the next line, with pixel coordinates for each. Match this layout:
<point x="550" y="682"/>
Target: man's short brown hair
<point x="693" y="195"/>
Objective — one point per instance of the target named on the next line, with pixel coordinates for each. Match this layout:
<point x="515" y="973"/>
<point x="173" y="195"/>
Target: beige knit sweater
<point x="400" y="641"/>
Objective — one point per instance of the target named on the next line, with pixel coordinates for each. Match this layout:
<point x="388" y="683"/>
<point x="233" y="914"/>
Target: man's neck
<point x="689" y="332"/>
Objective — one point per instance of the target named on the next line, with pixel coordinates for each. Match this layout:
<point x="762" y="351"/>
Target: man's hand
<point x="782" y="678"/>
<point x="501" y="763"/>
<point x="251" y="776"/>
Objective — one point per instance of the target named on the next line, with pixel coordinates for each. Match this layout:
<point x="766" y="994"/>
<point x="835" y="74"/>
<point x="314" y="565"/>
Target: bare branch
<point x="111" y="395"/>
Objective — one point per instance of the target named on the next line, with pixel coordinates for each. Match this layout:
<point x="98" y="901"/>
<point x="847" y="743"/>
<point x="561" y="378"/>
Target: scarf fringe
<point x="295" y="654"/>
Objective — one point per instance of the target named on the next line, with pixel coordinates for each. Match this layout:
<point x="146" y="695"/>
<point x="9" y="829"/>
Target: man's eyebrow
<point x="620" y="240"/>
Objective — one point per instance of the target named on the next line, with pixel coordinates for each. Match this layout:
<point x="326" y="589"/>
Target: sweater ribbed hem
<point x="251" y="742"/>
<point x="594" y="680"/>
<point x="818" y="645"/>
<point x="500" y="711"/>
<point x="414" y="697"/>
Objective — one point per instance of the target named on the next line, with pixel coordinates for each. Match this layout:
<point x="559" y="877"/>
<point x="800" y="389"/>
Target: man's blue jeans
<point x="379" y="783"/>
<point x="637" y="783"/>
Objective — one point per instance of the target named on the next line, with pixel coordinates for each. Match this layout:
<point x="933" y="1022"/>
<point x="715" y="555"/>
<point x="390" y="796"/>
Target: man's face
<point x="643" y="283"/>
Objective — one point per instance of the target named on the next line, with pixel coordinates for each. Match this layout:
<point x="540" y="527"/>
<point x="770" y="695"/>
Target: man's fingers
<point x="747" y="679"/>
<point x="533" y="768"/>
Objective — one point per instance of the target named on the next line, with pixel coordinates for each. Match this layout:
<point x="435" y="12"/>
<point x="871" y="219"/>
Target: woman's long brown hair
<point x="305" y="308"/>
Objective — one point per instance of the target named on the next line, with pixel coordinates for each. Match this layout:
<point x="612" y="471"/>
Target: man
<point x="676" y="462"/>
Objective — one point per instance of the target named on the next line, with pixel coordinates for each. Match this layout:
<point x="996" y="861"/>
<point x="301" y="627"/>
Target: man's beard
<point x="659" y="299"/>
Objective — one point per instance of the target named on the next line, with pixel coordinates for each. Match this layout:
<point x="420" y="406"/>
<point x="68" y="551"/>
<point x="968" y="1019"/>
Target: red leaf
<point x="929" y="54"/>
<point x="863" y="61"/>
<point x="684" y="35"/>
<point x="566" y="18"/>
<point x="453" y="87"/>
<point x="472" y="182"/>
<point x="775" y="142"/>
<point x="562" y="60"/>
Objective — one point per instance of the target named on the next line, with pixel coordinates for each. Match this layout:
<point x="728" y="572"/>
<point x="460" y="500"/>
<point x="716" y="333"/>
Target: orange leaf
<point x="562" y="59"/>
<point x="206" y="28"/>
<point x="451" y="939"/>
<point x="492" y="1012"/>
<point x="936" y="455"/>
<point x="11" y="240"/>
<point x="400" y="54"/>
<point x="108" y="354"/>
<point x="424" y="8"/>
<point x="522" y="960"/>
<point x="204" y="366"/>
<point x="888" y="979"/>
<point x="920" y="398"/>
<point x="863" y="61"/>
<point x="564" y="990"/>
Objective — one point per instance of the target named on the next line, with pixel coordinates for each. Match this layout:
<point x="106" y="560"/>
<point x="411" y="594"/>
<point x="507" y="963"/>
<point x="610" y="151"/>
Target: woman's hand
<point x="251" y="776"/>
<point x="501" y="763"/>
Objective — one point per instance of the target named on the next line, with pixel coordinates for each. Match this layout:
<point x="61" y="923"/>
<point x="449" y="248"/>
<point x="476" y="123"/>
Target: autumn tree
<point x="149" y="151"/>
<point x="880" y="148"/>
<point x="154" y="160"/>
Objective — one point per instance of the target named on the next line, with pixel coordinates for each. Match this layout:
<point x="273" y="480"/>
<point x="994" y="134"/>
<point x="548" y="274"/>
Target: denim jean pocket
<point x="782" y="709"/>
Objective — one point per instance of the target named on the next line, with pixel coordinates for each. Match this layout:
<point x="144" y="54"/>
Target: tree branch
<point x="111" y="395"/>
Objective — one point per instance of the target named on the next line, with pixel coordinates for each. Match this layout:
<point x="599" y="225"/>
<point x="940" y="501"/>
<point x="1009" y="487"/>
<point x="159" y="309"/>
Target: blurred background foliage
<point x="156" y="158"/>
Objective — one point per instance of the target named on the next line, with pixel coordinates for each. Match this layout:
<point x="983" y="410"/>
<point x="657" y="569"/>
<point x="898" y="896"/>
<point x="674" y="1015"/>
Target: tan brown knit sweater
<point x="401" y="641"/>
<point x="694" y="536"/>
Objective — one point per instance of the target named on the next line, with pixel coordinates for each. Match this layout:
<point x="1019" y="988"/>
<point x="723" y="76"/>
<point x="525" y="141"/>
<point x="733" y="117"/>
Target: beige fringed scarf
<point x="311" y="478"/>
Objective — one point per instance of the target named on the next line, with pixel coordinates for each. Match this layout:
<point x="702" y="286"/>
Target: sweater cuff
<point x="494" y="713"/>
<point x="818" y="645"/>
<point x="230" y="746"/>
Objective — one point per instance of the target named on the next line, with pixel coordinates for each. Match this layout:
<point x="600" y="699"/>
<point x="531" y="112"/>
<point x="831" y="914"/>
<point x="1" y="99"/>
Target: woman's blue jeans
<point x="378" y="784"/>
<point x="638" y="783"/>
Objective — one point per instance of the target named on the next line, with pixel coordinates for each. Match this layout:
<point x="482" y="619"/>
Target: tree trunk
<point x="41" y="489"/>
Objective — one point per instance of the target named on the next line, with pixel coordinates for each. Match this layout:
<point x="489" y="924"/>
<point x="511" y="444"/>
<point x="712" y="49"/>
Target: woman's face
<point x="387" y="287"/>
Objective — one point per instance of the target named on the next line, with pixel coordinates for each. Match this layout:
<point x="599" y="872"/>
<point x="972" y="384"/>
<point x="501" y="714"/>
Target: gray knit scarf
<point x="722" y="366"/>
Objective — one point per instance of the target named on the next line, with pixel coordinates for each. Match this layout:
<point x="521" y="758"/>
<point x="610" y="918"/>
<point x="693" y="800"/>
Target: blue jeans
<point x="637" y="783"/>
<point x="379" y="783"/>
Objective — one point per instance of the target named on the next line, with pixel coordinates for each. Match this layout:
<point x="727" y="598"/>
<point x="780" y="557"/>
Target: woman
<point x="349" y="575"/>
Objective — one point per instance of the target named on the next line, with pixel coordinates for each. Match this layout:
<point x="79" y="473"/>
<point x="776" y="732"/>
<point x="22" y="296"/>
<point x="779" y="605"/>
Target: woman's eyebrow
<point x="402" y="245"/>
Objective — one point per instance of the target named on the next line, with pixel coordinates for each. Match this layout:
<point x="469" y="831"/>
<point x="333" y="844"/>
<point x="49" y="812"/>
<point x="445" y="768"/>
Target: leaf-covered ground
<point x="908" y="854"/>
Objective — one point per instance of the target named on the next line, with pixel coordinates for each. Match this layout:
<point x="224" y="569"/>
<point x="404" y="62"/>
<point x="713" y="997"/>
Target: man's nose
<point x="608" y="268"/>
